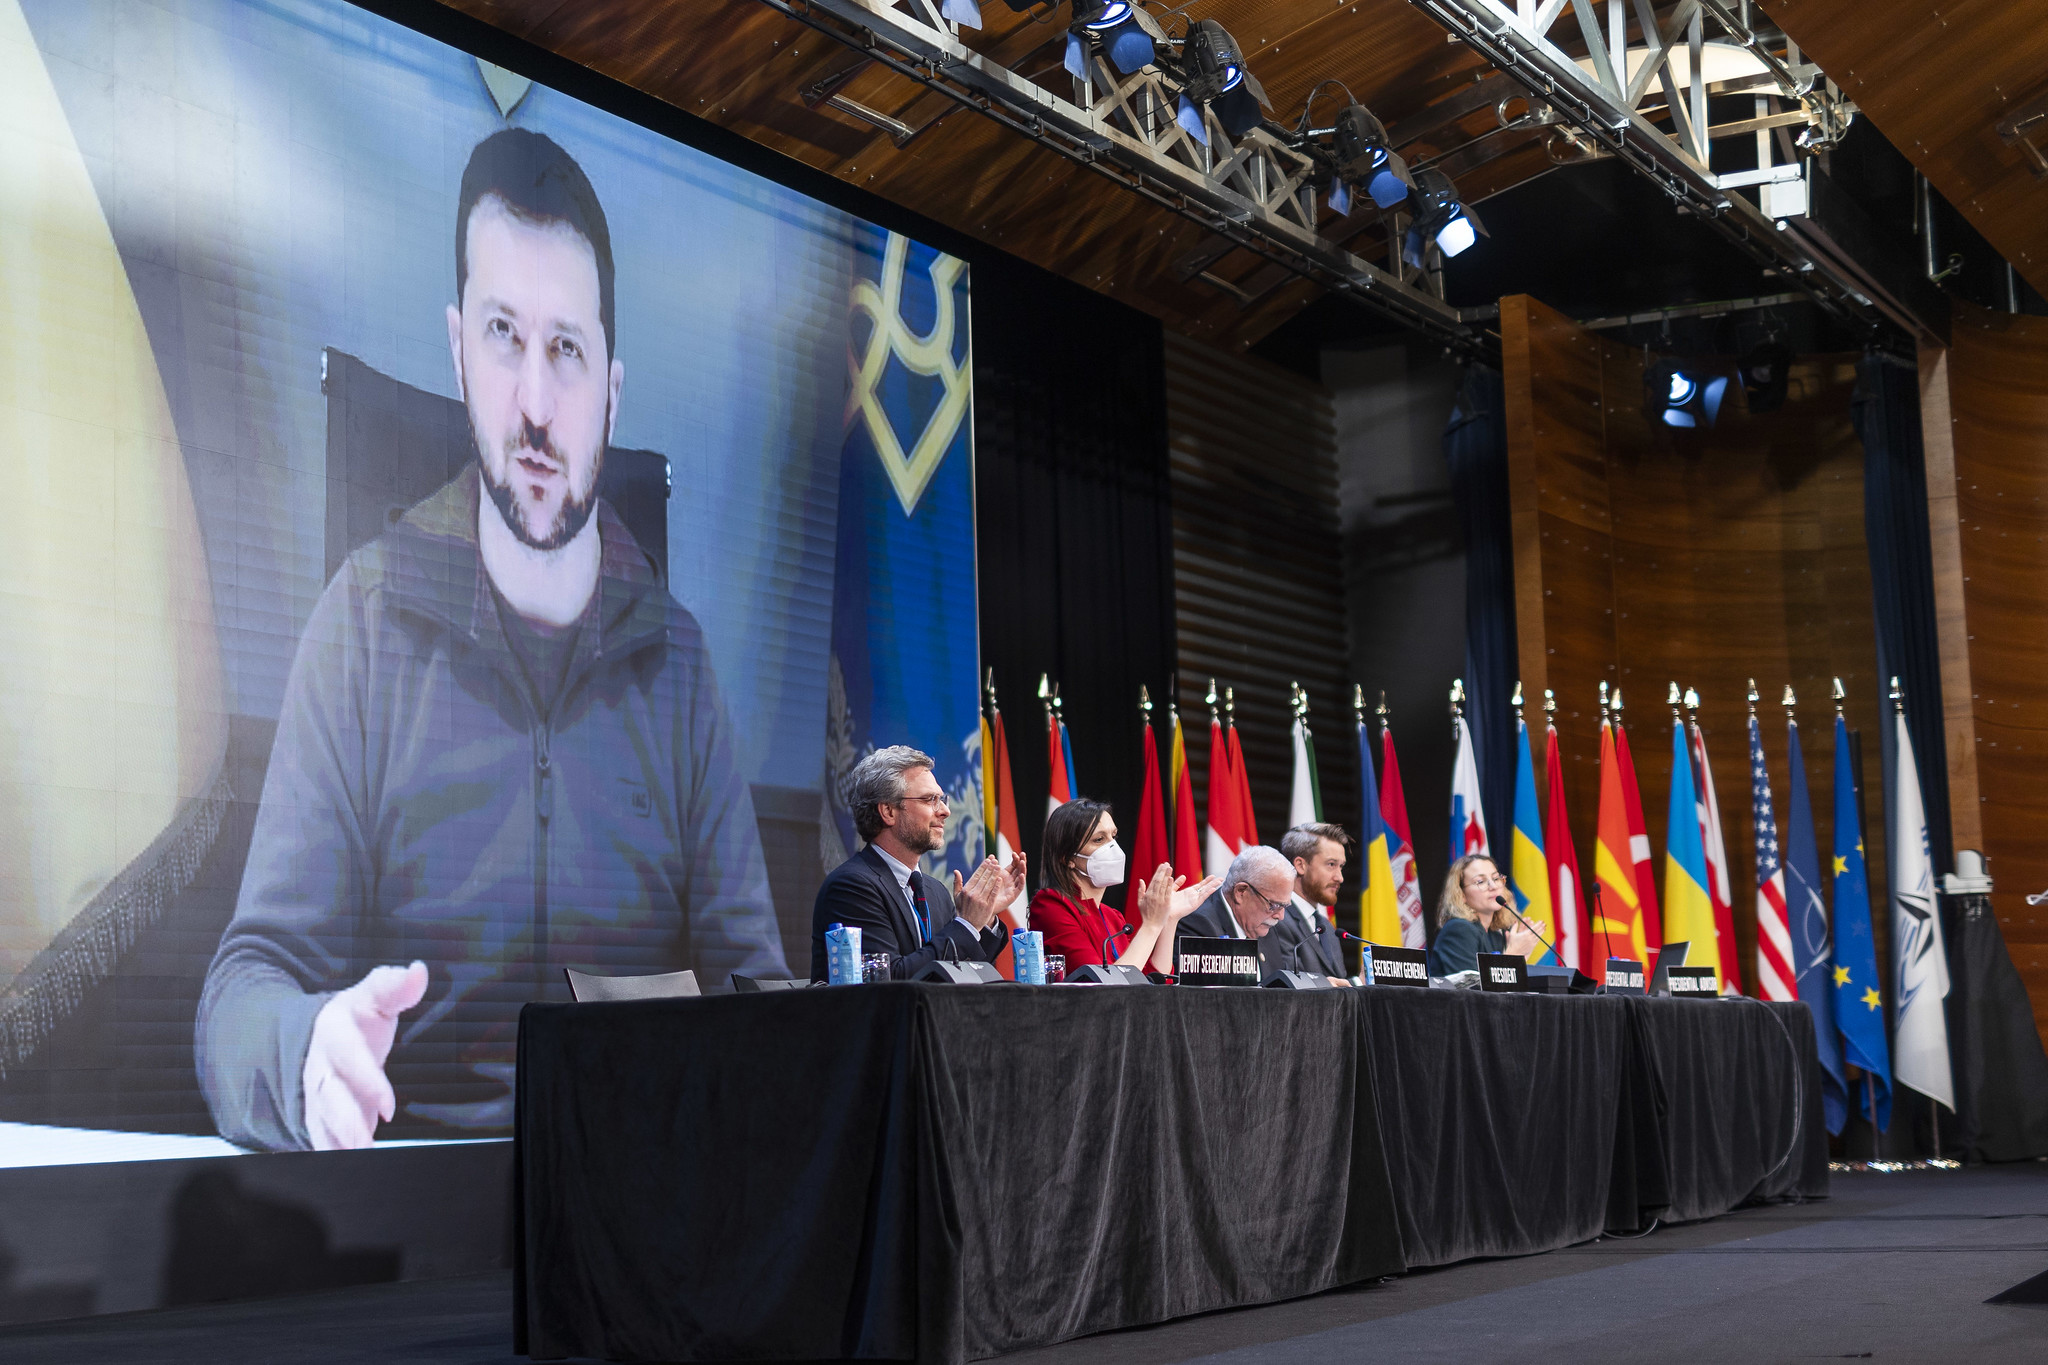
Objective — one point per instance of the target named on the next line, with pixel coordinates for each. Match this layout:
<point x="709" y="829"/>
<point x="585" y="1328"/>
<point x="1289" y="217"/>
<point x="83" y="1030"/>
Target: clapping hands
<point x="1164" y="901"/>
<point x="984" y="895"/>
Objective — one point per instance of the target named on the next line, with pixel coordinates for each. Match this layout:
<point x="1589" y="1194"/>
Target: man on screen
<point x="502" y="749"/>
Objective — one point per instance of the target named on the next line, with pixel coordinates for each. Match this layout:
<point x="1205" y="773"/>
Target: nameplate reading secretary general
<point x="502" y="749"/>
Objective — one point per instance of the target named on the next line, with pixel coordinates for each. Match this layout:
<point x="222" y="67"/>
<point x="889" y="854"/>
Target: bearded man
<point x="502" y="749"/>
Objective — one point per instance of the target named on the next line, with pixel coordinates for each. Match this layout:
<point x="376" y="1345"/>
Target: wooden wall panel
<point x="1646" y="557"/>
<point x="1944" y="534"/>
<point x="1998" y="398"/>
<point x="1258" y="570"/>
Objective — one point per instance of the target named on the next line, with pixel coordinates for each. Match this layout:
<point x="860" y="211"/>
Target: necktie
<point x="924" y="917"/>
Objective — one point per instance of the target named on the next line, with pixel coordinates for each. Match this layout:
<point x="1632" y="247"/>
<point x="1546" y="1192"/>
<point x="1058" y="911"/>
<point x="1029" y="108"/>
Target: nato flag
<point x="1813" y="955"/>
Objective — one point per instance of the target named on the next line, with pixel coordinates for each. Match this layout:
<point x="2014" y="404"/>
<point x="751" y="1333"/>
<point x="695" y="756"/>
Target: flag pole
<point x="1933" y="1105"/>
<point x="1599" y="913"/>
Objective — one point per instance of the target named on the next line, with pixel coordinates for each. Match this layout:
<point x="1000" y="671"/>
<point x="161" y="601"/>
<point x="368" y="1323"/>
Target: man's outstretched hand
<point x="346" y="1092"/>
<point x="992" y="889"/>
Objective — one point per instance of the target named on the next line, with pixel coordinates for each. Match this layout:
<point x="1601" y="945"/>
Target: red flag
<point x="1057" y="751"/>
<point x="1573" y="946"/>
<point x="1004" y="840"/>
<point x="1148" y="842"/>
<point x="1226" y="832"/>
<point x="1638" y="842"/>
<point x="1187" y="839"/>
<point x="1247" y="824"/>
<point x="1400" y="848"/>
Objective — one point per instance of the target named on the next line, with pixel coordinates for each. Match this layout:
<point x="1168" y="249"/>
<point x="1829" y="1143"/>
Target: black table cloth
<point x="937" y="1173"/>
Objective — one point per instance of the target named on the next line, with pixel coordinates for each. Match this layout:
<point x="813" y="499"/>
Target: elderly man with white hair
<point x="900" y="810"/>
<point x="1257" y="890"/>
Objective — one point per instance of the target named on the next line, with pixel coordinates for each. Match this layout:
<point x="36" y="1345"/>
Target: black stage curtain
<point x="2001" y="1069"/>
<point x="1476" y="447"/>
<point x="941" y="1174"/>
<point x="1074" y="526"/>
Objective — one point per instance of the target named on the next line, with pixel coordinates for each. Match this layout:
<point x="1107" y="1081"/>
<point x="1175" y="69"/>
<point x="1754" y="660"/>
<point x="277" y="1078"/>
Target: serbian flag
<point x="1620" y="928"/>
<point x="1379" y="913"/>
<point x="999" y="802"/>
<point x="1565" y="898"/>
<point x="1468" y="814"/>
<point x="1226" y="831"/>
<point x="1400" y="848"/>
<point x="1639" y="859"/>
<point x="1148" y="842"/>
<point x="1715" y="850"/>
<point x="1247" y="824"/>
<point x="1688" y="908"/>
<point x="1775" y="975"/>
<point x="1187" y="841"/>
<point x="1530" y="873"/>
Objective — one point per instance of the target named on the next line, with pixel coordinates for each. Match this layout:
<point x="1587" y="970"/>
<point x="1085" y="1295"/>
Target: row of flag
<point x="1804" y="952"/>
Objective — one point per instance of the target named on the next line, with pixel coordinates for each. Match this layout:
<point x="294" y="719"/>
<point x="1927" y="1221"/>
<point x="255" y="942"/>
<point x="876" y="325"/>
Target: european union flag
<point x="1859" y="1004"/>
<point x="1813" y="957"/>
<point x="904" y="641"/>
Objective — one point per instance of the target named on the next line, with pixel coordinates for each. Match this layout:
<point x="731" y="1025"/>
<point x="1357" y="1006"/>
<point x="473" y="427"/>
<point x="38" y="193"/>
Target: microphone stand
<point x="1504" y="903"/>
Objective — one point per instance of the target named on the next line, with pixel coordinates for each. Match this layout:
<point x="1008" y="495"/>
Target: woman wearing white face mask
<point x="1081" y="860"/>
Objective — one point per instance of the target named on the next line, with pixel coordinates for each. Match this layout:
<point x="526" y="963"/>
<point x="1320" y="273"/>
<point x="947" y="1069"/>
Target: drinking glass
<point x="874" y="967"/>
<point x="1055" y="968"/>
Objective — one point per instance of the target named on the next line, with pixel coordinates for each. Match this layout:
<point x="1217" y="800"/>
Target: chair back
<point x="585" y="986"/>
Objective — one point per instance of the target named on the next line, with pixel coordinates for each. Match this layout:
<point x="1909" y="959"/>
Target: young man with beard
<point x="502" y="749"/>
<point x="1317" y="852"/>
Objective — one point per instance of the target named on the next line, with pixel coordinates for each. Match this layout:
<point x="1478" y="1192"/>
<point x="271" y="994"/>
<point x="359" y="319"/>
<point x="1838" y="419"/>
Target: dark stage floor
<point x="1893" y="1268"/>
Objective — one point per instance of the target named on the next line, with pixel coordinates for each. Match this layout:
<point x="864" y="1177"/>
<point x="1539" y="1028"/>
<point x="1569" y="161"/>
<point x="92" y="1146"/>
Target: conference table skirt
<point x="938" y="1173"/>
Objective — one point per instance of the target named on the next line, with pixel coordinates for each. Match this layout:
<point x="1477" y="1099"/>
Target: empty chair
<point x="662" y="986"/>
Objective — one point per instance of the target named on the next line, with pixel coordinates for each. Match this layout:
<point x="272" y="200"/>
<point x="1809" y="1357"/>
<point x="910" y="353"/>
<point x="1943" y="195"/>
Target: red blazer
<point x="1075" y="929"/>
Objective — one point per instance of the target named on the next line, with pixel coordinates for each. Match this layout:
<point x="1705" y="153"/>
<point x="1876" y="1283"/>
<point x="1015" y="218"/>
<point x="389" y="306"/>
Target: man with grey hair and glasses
<point x="900" y="812"/>
<point x="1257" y="888"/>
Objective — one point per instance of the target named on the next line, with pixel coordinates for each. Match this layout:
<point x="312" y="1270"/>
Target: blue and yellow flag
<point x="1688" y="910"/>
<point x="1530" y="872"/>
<point x="1379" y="911"/>
<point x="1859" y="1004"/>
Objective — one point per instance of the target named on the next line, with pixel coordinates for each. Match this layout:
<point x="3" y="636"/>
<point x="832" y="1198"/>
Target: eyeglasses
<point x="936" y="801"/>
<point x="1272" y="907"/>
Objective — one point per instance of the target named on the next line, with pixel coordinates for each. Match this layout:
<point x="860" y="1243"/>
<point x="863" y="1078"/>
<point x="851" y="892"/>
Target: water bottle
<point x="1027" y="951"/>
<point x="1365" y="964"/>
<point x="842" y="955"/>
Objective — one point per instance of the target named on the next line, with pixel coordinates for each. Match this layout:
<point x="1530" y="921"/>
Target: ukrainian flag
<point x="1688" y="911"/>
<point x="1379" y="913"/>
<point x="1531" y="871"/>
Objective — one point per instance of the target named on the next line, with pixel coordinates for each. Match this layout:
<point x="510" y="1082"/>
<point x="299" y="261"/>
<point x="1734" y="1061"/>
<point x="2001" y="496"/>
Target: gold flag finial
<point x="1550" y="705"/>
<point x="1692" y="703"/>
<point x="1145" y="703"/>
<point x="1457" y="698"/>
<point x="1841" y="695"/>
<point x="1673" y="699"/>
<point x="1789" y="702"/>
<point x="1381" y="710"/>
<point x="1898" y="696"/>
<point x="1617" y="703"/>
<point x="1358" y="704"/>
<point x="1230" y="706"/>
<point x="1753" y="697"/>
<point x="1516" y="700"/>
<point x="1212" y="699"/>
<point x="1604" y="718"/>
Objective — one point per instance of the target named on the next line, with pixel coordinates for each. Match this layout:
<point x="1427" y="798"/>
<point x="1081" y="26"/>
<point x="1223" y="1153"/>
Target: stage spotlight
<point x="1681" y="394"/>
<point x="1363" y="157"/>
<point x="966" y="13"/>
<point x="1126" y="32"/>
<point x="1440" y="217"/>
<point x="1217" y="78"/>
<point x="1766" y="370"/>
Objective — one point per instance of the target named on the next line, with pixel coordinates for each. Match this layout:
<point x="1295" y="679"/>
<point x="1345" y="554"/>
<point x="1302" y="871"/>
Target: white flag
<point x="1301" y="804"/>
<point x="1920" y="962"/>
<point x="1468" y="815"/>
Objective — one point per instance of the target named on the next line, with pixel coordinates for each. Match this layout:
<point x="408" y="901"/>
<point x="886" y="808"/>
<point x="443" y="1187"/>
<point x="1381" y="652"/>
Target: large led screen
<point x="457" y="534"/>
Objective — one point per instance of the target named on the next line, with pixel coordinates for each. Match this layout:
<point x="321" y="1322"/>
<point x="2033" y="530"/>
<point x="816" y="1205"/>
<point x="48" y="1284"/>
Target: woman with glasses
<point x="1080" y="859"/>
<point x="1471" y="920"/>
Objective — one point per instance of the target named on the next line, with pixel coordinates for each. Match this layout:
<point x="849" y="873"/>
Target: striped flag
<point x="1401" y="848"/>
<point x="1565" y="897"/>
<point x="1715" y="850"/>
<point x="1187" y="840"/>
<point x="1148" y="842"/>
<point x="1812" y="945"/>
<point x="1468" y="813"/>
<point x="1306" y="805"/>
<point x="1226" y="833"/>
<point x="1618" y="925"/>
<point x="999" y="800"/>
<point x="1530" y="871"/>
<point x="1379" y="913"/>
<point x="1776" y="977"/>
<point x="1688" y="910"/>
<point x="1059" y="763"/>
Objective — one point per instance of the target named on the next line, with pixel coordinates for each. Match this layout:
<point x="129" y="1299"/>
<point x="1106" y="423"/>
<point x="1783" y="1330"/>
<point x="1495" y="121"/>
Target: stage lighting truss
<point x="1645" y="105"/>
<point x="1186" y="131"/>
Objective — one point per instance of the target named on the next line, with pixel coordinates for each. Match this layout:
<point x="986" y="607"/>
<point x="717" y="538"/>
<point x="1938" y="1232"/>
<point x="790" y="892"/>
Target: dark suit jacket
<point x="1214" y="920"/>
<point x="1459" y="942"/>
<point x="1320" y="952"/>
<point x="862" y="891"/>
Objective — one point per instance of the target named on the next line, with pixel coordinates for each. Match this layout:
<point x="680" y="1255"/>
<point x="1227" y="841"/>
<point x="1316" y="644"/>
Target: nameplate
<point x="1216" y="962"/>
<point x="1503" y="972"/>
<point x="1697" y="982"/>
<point x="1399" y="966"/>
<point x="1624" y="977"/>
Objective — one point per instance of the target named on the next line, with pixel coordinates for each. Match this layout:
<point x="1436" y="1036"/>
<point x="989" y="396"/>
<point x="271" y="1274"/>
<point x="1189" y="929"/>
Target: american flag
<point x="1775" y="974"/>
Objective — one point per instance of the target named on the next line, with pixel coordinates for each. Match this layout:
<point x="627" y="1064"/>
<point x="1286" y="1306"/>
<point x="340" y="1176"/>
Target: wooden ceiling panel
<point x="739" y="64"/>
<point x="1936" y="79"/>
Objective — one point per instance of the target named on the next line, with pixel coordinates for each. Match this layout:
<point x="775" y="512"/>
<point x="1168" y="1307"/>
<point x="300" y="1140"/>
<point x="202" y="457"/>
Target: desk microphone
<point x="1504" y="903"/>
<point x="1109" y="941"/>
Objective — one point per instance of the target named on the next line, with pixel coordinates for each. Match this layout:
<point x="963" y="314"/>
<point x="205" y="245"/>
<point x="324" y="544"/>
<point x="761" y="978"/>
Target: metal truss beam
<point x="1608" y="107"/>
<point x="1256" y="193"/>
